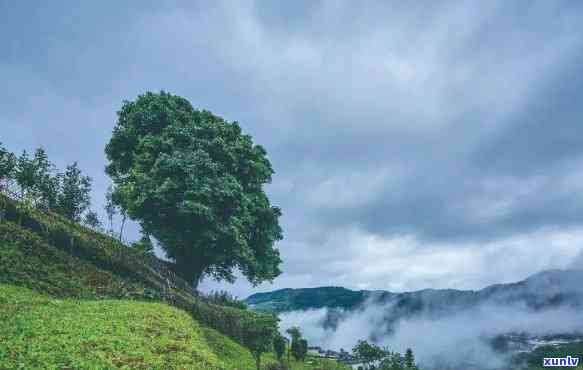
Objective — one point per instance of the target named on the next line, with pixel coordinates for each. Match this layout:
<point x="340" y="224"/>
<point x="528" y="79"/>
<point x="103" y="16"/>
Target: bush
<point x="279" y="344"/>
<point x="276" y="366"/>
<point x="224" y="298"/>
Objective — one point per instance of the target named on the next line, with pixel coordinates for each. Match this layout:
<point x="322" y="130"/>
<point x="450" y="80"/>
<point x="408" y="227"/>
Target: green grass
<point x="50" y="254"/>
<point x="27" y="260"/>
<point x="37" y="332"/>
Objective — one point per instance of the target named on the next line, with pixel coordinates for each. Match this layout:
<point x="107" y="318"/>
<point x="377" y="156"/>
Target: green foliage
<point x="307" y="298"/>
<point x="29" y="261"/>
<point x="279" y="344"/>
<point x="7" y="164"/>
<point x="25" y="174"/>
<point x="51" y="254"/>
<point x="259" y="333"/>
<point x="302" y="349"/>
<point x="63" y="243"/>
<point x="36" y="180"/>
<point x="45" y="186"/>
<point x="37" y="332"/>
<point x="110" y="208"/>
<point x="91" y="220"/>
<point x="394" y="361"/>
<point x="276" y="366"/>
<point x="144" y="245"/>
<point x="375" y="357"/>
<point x="369" y="353"/>
<point x="194" y="182"/>
<point x="233" y="322"/>
<point x="48" y="253"/>
<point x="294" y="332"/>
<point x="74" y="196"/>
<point x="40" y="186"/>
<point x="409" y="359"/>
<point x="224" y="298"/>
<point x="299" y="346"/>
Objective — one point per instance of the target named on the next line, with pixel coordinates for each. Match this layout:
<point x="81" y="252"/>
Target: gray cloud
<point x="453" y="126"/>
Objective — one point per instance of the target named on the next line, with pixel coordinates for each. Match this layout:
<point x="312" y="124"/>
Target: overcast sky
<point x="416" y="144"/>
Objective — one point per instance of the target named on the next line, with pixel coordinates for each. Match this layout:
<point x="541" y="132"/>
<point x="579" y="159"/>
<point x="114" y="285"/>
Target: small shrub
<point x="276" y="366"/>
<point x="224" y="298"/>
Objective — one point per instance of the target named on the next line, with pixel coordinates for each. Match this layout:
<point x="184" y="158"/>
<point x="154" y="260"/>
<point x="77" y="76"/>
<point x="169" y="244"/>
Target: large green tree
<point x="195" y="182"/>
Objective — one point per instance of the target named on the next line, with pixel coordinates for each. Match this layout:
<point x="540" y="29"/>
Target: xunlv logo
<point x="561" y="361"/>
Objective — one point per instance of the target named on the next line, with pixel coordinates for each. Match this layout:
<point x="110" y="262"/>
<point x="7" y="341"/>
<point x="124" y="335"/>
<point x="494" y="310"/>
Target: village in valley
<point x="342" y="356"/>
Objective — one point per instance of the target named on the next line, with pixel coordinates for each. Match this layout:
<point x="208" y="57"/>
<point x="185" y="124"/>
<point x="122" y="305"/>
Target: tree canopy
<point x="195" y="183"/>
<point x="7" y="164"/>
<point x="74" y="197"/>
<point x="259" y="333"/>
<point x="38" y="183"/>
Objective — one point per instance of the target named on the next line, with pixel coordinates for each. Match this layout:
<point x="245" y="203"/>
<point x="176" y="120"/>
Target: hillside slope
<point x="40" y="332"/>
<point x="73" y="298"/>
<point x="37" y="332"/>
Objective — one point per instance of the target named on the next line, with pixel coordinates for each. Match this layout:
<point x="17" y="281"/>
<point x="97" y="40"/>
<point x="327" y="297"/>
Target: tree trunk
<point x="196" y="279"/>
<point x="258" y="362"/>
<point x="123" y="221"/>
<point x="192" y="273"/>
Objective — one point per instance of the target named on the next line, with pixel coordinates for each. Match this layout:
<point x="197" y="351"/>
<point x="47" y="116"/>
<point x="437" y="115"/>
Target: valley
<point x="490" y="328"/>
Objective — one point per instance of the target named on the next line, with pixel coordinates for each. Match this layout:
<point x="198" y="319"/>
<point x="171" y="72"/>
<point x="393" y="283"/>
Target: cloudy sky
<point x="416" y="144"/>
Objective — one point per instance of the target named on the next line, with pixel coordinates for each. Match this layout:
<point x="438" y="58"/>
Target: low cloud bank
<point x="458" y="340"/>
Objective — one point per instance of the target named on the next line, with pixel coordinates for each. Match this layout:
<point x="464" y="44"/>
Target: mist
<point x="459" y="339"/>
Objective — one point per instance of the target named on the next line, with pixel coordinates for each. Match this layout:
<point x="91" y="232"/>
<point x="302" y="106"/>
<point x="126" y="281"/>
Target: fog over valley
<point x="459" y="329"/>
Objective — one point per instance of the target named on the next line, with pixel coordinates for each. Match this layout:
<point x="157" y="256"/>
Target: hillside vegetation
<point x="73" y="298"/>
<point x="306" y="298"/>
<point x="38" y="332"/>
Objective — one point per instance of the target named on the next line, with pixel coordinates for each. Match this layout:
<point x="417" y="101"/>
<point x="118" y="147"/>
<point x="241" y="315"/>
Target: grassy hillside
<point x="28" y="260"/>
<point x="72" y="298"/>
<point x="38" y="332"/>
<point x="53" y="255"/>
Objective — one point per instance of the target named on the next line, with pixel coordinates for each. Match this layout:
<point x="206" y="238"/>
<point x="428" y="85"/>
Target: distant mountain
<point x="503" y="326"/>
<point x="543" y="290"/>
<point x="308" y="298"/>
